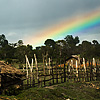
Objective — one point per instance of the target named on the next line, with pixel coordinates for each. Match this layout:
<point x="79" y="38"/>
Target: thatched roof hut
<point x="7" y="69"/>
<point x="9" y="75"/>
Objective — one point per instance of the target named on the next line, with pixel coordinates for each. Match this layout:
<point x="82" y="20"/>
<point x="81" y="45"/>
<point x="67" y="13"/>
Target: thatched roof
<point x="71" y="58"/>
<point x="8" y="69"/>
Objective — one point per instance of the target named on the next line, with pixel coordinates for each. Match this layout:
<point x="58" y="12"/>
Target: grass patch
<point x="63" y="91"/>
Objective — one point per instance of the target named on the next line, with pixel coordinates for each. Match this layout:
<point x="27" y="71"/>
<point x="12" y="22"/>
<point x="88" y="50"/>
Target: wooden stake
<point x="36" y="65"/>
<point x="27" y="61"/>
<point x="78" y="61"/>
<point x="84" y="65"/>
<point x="43" y="64"/>
<point x="23" y="68"/>
<point x="49" y="66"/>
<point x="46" y="58"/>
<point x="31" y="67"/>
<point x="26" y="66"/>
<point x="72" y="63"/>
<point x="76" y="69"/>
<point x="93" y="61"/>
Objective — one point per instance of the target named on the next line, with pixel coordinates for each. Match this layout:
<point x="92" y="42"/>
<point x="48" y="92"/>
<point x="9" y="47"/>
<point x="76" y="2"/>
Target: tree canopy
<point x="57" y="50"/>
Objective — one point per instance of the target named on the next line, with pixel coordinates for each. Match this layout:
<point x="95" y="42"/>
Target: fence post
<point x="97" y="73"/>
<point x="43" y="64"/>
<point x="56" y="75"/>
<point x="67" y="73"/>
<point x="79" y="75"/>
<point x="30" y="82"/>
<point x="49" y="71"/>
<point x="91" y="72"/>
<point x="52" y="72"/>
<point x="38" y="81"/>
<point x="36" y="65"/>
<point x="33" y="81"/>
<point x="61" y="78"/>
<point x="52" y="75"/>
<point x="87" y="73"/>
<point x="44" y="80"/>
<point x="64" y="73"/>
<point x="27" y="82"/>
<point x="94" y="62"/>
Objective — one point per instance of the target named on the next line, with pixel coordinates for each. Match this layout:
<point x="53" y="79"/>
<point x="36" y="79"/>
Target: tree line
<point x="56" y="50"/>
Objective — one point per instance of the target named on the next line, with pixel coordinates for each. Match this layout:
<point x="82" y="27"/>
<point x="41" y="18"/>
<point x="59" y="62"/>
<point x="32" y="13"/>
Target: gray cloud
<point x="22" y="17"/>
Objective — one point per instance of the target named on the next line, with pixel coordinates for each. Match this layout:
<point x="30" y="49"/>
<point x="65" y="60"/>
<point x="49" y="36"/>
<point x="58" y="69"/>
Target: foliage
<point x="56" y="50"/>
<point x="50" y="42"/>
<point x="3" y="41"/>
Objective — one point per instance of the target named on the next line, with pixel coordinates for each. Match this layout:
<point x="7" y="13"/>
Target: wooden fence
<point x="55" y="75"/>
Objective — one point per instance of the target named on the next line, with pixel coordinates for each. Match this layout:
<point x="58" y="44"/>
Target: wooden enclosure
<point x="43" y="75"/>
<point x="55" y="74"/>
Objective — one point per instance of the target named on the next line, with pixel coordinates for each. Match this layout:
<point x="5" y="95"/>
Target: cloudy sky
<point x="22" y="19"/>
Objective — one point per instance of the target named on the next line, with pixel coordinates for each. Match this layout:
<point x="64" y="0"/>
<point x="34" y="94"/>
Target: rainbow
<point x="75" y="25"/>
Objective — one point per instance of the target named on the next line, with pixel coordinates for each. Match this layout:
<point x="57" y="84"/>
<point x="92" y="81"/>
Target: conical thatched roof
<point x="8" y="69"/>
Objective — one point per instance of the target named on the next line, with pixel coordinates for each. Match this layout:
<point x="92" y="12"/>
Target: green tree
<point x="3" y="40"/>
<point x="23" y="50"/>
<point x="96" y="49"/>
<point x="61" y="50"/>
<point x="50" y="43"/>
<point x="71" y="44"/>
<point x="71" y="40"/>
<point x="13" y="44"/>
<point x="20" y="43"/>
<point x="7" y="52"/>
<point x="95" y="42"/>
<point x="50" y="47"/>
<point x="86" y="50"/>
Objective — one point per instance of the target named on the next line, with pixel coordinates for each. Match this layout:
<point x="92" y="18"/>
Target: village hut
<point x="73" y="60"/>
<point x="9" y="75"/>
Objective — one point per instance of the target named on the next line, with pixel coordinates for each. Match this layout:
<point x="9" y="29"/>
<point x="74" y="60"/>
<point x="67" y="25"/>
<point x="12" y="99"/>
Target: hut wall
<point x="0" y="80"/>
<point x="9" y="81"/>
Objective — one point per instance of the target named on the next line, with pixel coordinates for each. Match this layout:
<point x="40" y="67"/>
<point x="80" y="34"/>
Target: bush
<point x="8" y="61"/>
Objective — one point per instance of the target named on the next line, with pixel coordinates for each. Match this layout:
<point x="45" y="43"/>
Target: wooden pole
<point x="64" y="73"/>
<point x="23" y="68"/>
<point x="76" y="69"/>
<point x="93" y="61"/>
<point x="72" y="63"/>
<point x="26" y="66"/>
<point x="31" y="67"/>
<point x="46" y="58"/>
<point x="43" y="64"/>
<point x="49" y="72"/>
<point x="78" y="61"/>
<point x="49" y="66"/>
<point x="27" y="61"/>
<point x="84" y="64"/>
<point x="52" y="71"/>
<point x="91" y="72"/>
<point x="69" y="69"/>
<point x="36" y="65"/>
